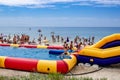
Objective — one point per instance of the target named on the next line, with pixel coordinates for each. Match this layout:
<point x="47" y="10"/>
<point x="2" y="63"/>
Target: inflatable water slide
<point x="104" y="52"/>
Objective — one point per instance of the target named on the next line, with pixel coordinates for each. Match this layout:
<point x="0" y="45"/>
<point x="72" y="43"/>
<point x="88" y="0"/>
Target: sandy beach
<point x="111" y="72"/>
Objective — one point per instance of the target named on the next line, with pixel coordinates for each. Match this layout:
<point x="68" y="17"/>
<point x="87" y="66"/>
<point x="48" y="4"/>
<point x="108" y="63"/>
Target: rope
<point x="72" y="74"/>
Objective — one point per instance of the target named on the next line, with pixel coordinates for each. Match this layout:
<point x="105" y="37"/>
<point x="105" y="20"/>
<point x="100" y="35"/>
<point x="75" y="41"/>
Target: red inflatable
<point x="55" y="47"/>
<point x="62" y="67"/>
<point x="21" y="64"/>
<point x="28" y="46"/>
<point x="4" y="44"/>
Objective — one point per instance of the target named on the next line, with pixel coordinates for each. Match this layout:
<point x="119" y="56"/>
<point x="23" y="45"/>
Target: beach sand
<point x="111" y="72"/>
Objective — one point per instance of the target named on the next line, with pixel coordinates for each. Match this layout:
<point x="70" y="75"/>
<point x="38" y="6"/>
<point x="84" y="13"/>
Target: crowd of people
<point x="20" y="39"/>
<point x="78" y="42"/>
<point x="16" y="39"/>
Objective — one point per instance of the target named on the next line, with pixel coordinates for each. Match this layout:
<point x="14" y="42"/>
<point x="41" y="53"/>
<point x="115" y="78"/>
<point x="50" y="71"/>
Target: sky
<point x="60" y="13"/>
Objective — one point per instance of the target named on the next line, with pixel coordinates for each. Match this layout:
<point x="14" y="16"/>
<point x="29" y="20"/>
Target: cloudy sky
<point x="57" y="13"/>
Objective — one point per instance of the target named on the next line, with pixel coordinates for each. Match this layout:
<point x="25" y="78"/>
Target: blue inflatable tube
<point x="56" y="52"/>
<point x="111" y="44"/>
<point x="99" y="61"/>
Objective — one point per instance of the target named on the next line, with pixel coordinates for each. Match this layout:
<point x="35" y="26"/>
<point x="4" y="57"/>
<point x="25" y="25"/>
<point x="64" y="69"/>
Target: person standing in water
<point x="65" y="54"/>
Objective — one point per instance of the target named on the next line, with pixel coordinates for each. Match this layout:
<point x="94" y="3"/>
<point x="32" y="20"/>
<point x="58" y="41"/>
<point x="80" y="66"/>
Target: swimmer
<point x="66" y="54"/>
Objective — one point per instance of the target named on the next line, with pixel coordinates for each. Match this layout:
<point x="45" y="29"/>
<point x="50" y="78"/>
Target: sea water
<point x="71" y="32"/>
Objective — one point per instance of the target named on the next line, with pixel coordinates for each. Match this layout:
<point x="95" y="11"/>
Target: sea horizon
<point x="71" y="32"/>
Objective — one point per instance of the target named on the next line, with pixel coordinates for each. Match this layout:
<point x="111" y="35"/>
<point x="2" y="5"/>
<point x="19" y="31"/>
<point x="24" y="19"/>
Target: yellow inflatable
<point x="103" y="53"/>
<point x="98" y="50"/>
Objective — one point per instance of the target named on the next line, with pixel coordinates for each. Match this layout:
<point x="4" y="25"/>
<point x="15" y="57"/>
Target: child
<point x="66" y="53"/>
